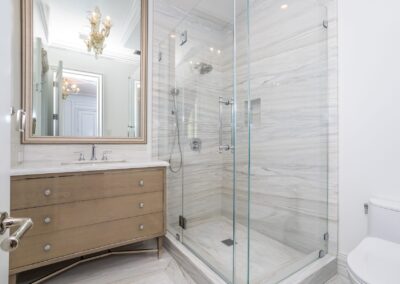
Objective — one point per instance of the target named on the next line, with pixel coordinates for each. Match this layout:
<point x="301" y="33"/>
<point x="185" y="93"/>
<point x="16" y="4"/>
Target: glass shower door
<point x="289" y="137"/>
<point x="256" y="78"/>
<point x="204" y="78"/>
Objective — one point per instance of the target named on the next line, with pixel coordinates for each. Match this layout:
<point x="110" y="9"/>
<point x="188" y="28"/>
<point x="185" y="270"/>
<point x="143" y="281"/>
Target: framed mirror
<point x="84" y="71"/>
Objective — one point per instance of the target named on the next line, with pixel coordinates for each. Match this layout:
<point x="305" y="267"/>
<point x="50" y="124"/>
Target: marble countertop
<point x="52" y="168"/>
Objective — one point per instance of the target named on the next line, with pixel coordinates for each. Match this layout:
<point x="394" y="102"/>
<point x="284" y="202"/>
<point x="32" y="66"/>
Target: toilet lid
<point x="375" y="261"/>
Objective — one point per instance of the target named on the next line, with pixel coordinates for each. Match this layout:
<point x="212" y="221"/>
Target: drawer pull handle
<point x="141" y="205"/>
<point x="141" y="183"/>
<point x="47" y="220"/>
<point x="47" y="192"/>
<point x="141" y="227"/>
<point x="47" y="247"/>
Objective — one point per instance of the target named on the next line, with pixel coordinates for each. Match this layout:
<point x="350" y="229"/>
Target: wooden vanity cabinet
<point x="76" y="214"/>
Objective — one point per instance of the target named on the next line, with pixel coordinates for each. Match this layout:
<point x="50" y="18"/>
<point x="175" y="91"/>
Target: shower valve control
<point x="195" y="144"/>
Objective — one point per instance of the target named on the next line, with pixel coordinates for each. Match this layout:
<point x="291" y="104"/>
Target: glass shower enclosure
<point x="240" y="110"/>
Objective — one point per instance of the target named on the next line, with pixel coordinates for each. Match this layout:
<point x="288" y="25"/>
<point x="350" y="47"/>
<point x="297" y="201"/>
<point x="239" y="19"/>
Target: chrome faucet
<point x="93" y="158"/>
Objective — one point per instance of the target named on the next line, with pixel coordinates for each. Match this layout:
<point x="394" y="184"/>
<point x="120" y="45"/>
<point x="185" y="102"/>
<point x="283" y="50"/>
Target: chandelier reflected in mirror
<point x="69" y="88"/>
<point x="97" y="37"/>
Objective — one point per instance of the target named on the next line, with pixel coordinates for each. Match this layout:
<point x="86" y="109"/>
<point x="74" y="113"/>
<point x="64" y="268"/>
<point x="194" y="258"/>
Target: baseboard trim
<point x="342" y="265"/>
<point x="320" y="271"/>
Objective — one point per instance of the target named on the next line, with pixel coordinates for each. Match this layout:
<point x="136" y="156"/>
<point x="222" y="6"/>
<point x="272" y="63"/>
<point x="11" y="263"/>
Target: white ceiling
<point x="221" y="10"/>
<point x="68" y="25"/>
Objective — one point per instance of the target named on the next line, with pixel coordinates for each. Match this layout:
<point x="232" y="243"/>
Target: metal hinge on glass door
<point x="225" y="102"/>
<point x="182" y="222"/>
<point x="322" y="252"/>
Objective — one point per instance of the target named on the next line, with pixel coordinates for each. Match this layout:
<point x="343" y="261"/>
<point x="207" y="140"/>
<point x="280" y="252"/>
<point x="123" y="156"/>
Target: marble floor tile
<point x="334" y="280"/>
<point x="129" y="269"/>
<point x="338" y="279"/>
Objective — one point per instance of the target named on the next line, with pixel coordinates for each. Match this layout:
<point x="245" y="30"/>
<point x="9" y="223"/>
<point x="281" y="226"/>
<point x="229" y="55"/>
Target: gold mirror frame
<point x="27" y="79"/>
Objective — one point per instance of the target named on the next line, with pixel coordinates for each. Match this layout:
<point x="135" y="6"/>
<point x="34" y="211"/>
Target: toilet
<point x="376" y="260"/>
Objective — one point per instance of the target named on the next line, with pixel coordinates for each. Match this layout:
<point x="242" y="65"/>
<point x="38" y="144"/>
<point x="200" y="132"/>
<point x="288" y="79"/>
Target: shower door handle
<point x="223" y="102"/>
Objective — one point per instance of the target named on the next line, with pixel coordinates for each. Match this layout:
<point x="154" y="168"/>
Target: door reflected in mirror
<point x="76" y="109"/>
<point x="87" y="69"/>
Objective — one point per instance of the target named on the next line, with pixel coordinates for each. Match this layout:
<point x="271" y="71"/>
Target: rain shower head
<point x="203" y="68"/>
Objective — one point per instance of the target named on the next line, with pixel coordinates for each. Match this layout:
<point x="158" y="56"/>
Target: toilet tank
<point x="384" y="219"/>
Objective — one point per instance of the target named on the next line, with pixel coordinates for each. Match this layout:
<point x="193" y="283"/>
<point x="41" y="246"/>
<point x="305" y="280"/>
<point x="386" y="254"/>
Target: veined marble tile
<point x="293" y="148"/>
<point x="137" y="269"/>
<point x="292" y="71"/>
<point x="270" y="261"/>
<point x="338" y="280"/>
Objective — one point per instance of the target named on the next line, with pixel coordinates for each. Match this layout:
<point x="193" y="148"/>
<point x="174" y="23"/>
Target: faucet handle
<point x="81" y="156"/>
<point x="105" y="155"/>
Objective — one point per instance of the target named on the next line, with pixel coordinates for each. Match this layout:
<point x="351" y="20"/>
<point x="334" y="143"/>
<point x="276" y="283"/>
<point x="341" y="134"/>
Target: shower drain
<point x="228" y="242"/>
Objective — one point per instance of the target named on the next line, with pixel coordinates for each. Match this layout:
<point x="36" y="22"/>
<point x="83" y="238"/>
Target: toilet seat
<point x="375" y="261"/>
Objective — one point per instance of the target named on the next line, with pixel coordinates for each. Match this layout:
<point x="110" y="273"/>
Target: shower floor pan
<point x="270" y="260"/>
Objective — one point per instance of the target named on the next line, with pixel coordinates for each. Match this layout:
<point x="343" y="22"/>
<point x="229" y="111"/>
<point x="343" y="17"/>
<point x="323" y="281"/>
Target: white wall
<point x="369" y="111"/>
<point x="6" y="14"/>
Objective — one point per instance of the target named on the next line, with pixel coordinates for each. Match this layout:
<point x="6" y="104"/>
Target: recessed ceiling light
<point x="172" y="35"/>
<point x="211" y="48"/>
<point x="284" y="6"/>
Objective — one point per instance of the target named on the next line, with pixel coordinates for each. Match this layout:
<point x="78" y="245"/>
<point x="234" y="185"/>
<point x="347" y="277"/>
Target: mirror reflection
<point x="86" y="68"/>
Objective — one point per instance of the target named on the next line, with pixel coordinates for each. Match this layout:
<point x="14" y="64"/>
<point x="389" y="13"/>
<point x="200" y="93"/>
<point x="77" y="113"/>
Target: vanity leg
<point x="12" y="279"/>
<point x="160" y="246"/>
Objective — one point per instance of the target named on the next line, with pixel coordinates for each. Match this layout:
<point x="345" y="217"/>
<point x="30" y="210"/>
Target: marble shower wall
<point x="293" y="66"/>
<point x="174" y="66"/>
<point x="293" y="89"/>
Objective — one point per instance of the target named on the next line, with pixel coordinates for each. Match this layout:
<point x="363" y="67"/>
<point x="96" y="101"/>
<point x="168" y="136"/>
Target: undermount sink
<point x="89" y="162"/>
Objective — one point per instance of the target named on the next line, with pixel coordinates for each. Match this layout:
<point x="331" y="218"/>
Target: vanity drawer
<point x="41" y="191"/>
<point x="134" y="181"/>
<point x="65" y="243"/>
<point x="53" y="218"/>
